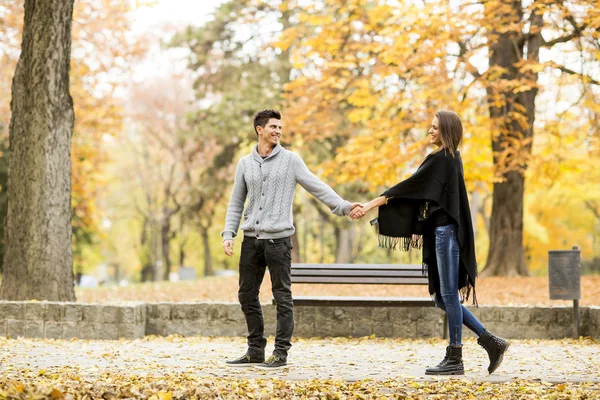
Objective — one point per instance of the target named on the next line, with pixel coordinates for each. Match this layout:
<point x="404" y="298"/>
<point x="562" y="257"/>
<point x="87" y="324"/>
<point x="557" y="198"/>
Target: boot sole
<point x="271" y="368"/>
<point x="248" y="365"/>
<point x="495" y="366"/>
<point x="445" y="373"/>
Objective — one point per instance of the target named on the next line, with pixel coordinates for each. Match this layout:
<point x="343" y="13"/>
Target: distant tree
<point x="388" y="67"/>
<point x="235" y="77"/>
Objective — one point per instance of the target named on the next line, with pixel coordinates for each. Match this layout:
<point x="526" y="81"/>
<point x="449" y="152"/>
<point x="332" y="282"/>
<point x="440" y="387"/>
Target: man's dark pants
<point x="256" y="255"/>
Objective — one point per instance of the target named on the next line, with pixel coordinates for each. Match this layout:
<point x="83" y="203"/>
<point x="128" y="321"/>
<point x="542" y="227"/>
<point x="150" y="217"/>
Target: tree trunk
<point x="475" y="207"/>
<point x="147" y="273"/>
<point x="513" y="114"/>
<point x="296" y="256"/>
<point x="208" y="267"/>
<point x="296" y="249"/>
<point x="182" y="255"/>
<point x="506" y="256"/>
<point x="165" y="242"/>
<point x="345" y="244"/>
<point x="38" y="261"/>
<point x="145" y="251"/>
<point x="322" y="240"/>
<point x="305" y="241"/>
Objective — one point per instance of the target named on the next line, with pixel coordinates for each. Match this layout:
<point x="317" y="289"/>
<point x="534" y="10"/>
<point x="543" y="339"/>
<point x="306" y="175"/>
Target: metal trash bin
<point x="564" y="273"/>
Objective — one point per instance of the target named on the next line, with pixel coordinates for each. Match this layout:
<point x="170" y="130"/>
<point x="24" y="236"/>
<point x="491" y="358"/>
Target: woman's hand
<point x="359" y="212"/>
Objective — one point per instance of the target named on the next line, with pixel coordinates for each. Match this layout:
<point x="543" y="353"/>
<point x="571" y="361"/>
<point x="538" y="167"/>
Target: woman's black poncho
<point x="439" y="178"/>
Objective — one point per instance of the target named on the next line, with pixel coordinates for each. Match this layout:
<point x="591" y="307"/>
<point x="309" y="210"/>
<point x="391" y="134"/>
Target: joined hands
<point x="358" y="210"/>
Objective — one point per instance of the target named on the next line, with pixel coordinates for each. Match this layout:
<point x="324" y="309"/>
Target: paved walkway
<point x="335" y="358"/>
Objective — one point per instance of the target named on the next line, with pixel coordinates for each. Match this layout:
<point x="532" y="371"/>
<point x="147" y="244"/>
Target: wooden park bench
<point x="361" y="274"/>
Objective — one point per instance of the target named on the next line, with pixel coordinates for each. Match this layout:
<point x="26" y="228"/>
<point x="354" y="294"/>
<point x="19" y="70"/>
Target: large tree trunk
<point x="506" y="256"/>
<point x="38" y="261"/>
<point x="512" y="110"/>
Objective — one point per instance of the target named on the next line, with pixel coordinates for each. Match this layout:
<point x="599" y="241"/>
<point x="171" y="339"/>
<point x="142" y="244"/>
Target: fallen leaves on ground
<point x="54" y="369"/>
<point x="182" y="386"/>
<point x="514" y="291"/>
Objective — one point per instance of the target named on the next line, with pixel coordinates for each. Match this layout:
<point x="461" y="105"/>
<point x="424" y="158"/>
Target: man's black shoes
<point x="273" y="363"/>
<point x="247" y="360"/>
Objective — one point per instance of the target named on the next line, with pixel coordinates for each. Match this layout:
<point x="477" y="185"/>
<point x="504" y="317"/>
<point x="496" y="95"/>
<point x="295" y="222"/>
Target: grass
<point x="531" y="291"/>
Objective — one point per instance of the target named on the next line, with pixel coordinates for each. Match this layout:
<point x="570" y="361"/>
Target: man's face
<point x="271" y="133"/>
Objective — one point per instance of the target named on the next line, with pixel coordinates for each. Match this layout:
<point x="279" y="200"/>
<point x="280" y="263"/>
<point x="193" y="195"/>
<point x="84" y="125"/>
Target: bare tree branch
<point x="473" y="70"/>
<point x="577" y="30"/>
<point x="584" y="77"/>
<point x="593" y="207"/>
<point x="562" y="39"/>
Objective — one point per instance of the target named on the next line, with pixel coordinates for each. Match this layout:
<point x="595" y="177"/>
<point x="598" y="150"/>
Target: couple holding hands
<point x="429" y="210"/>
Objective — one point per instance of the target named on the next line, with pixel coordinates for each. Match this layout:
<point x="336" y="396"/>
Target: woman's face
<point x="434" y="132"/>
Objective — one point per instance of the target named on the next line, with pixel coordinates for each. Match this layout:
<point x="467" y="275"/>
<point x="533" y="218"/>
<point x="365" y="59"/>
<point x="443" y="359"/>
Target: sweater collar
<point x="259" y="158"/>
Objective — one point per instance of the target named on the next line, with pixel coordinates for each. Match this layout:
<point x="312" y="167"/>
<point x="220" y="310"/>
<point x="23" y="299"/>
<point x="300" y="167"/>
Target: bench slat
<point x="359" y="280"/>
<point x="357" y="272"/>
<point x="363" y="301"/>
<point x="372" y="267"/>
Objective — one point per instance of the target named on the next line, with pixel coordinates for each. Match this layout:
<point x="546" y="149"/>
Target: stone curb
<point x="134" y="320"/>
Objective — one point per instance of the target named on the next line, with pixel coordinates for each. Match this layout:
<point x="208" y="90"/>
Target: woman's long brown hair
<point x="451" y="130"/>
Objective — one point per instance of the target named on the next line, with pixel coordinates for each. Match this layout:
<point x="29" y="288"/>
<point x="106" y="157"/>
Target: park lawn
<point x="71" y="385"/>
<point x="491" y="291"/>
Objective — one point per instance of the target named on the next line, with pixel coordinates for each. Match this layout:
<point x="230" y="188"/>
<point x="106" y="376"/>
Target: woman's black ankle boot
<point x="451" y="364"/>
<point x="495" y="347"/>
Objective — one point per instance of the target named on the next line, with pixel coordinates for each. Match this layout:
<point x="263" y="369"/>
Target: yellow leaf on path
<point x="56" y="394"/>
<point x="164" y="395"/>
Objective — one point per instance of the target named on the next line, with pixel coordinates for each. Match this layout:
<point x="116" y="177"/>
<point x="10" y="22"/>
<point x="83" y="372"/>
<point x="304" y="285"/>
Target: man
<point x="267" y="179"/>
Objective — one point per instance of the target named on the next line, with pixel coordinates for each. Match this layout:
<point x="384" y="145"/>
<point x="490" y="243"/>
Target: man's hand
<point x="228" y="247"/>
<point x="354" y="206"/>
<point x="359" y="211"/>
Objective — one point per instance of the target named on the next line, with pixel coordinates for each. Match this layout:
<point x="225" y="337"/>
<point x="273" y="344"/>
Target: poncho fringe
<point x="406" y="243"/>
<point x="416" y="242"/>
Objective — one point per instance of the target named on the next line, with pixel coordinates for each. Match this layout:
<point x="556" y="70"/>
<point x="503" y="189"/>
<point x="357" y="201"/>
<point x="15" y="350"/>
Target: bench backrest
<point x="373" y="274"/>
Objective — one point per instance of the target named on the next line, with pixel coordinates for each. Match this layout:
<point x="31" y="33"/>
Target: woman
<point x="431" y="210"/>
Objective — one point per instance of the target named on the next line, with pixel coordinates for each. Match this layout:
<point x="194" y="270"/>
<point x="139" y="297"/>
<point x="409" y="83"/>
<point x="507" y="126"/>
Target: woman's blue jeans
<point x="447" y="250"/>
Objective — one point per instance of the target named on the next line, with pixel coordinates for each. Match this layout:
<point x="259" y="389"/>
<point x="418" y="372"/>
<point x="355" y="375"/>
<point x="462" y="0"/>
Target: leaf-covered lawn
<point x="175" y="367"/>
<point x="490" y="291"/>
<point x="182" y="386"/>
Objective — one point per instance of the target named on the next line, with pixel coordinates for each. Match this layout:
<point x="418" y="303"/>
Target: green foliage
<point x="236" y="77"/>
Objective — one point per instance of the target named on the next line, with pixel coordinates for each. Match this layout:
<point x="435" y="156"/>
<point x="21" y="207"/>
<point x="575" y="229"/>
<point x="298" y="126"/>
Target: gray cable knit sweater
<point x="269" y="185"/>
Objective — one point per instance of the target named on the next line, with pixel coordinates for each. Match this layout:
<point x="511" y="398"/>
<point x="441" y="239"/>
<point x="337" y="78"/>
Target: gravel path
<point x="333" y="358"/>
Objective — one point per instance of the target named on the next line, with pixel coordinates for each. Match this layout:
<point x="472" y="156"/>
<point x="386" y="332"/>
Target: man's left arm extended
<point x="320" y="189"/>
